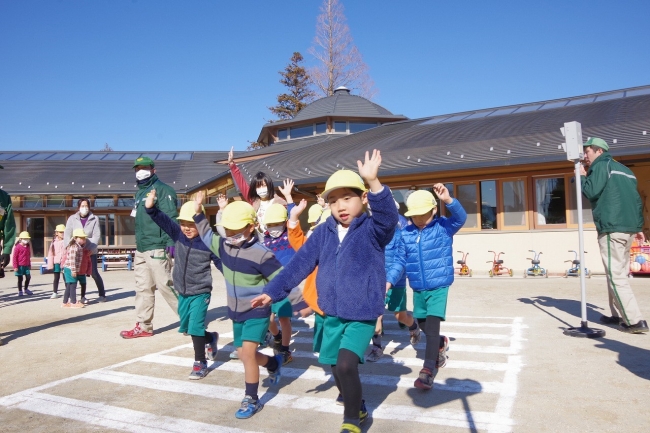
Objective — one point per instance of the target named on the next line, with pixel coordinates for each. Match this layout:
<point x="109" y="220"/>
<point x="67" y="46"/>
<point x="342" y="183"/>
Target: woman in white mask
<point x="86" y="220"/>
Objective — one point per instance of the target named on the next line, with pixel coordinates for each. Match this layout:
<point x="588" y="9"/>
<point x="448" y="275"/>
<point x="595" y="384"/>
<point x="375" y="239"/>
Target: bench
<point x="117" y="260"/>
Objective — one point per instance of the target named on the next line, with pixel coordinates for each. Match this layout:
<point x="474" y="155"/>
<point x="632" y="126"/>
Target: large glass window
<point x="361" y="126"/>
<point x="32" y="201"/>
<point x="514" y="203"/>
<point x="283" y="134"/>
<point x="107" y="229"/>
<point x="450" y="188"/>
<point x="587" y="217"/>
<point x="321" y="128"/>
<point x="550" y="200"/>
<point x="488" y="205"/>
<point x="36" y="229"/>
<point x="104" y="201"/>
<point x="302" y="131"/>
<point x="56" y="201"/>
<point x="467" y="196"/>
<point x="340" y="126"/>
<point x="52" y="222"/>
<point x="125" y="230"/>
<point x="125" y="201"/>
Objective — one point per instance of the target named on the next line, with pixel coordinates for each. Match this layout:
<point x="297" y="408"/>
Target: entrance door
<point x="36" y="229"/>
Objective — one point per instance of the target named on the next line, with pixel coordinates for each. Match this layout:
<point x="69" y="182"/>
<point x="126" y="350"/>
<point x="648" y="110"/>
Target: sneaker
<point x="339" y="400"/>
<point x="248" y="408"/>
<point x="274" y="376"/>
<point x="28" y="292"/>
<point x="136" y="332"/>
<point x="424" y="380"/>
<point x="233" y="355"/>
<point x="350" y="428"/>
<point x="268" y="340"/>
<point x="66" y="305"/>
<point x="442" y="354"/>
<point x="286" y="357"/>
<point x="610" y="320"/>
<point x="54" y="296"/>
<point x="199" y="370"/>
<point x="84" y="300"/>
<point x="416" y="334"/>
<point x="101" y="299"/>
<point x="376" y="353"/>
<point x="77" y="305"/>
<point x="211" y="348"/>
<point x="277" y="347"/>
<point x="20" y="293"/>
<point x="363" y="413"/>
<point x="639" y="328"/>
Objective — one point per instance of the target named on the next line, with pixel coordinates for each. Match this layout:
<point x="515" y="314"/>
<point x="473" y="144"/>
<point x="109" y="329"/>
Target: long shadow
<point x="569" y="306"/>
<point x="12" y="299"/>
<point x="634" y="359"/>
<point x="12" y="335"/>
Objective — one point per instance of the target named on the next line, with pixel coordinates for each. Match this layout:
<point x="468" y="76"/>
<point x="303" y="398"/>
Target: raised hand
<point x="442" y="192"/>
<point x="321" y="201"/>
<point x="151" y="199"/>
<point x="198" y="202"/>
<point x="231" y="155"/>
<point x="222" y="201"/>
<point x="369" y="168"/>
<point x="286" y="189"/>
<point x="297" y="210"/>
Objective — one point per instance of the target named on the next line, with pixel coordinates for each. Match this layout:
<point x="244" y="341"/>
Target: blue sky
<point x="199" y="75"/>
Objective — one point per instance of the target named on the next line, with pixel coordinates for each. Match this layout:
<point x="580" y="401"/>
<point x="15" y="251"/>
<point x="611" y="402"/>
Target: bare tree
<point x="339" y="61"/>
<point x="106" y="148"/>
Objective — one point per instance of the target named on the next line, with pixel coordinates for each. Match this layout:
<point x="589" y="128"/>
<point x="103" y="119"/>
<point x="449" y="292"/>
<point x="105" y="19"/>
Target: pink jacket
<point x="21" y="255"/>
<point x="55" y="253"/>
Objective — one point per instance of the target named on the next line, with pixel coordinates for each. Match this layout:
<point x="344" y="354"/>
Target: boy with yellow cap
<point x="349" y="251"/>
<point x="192" y="280"/>
<point x="21" y="261"/>
<point x="54" y="255"/>
<point x="430" y="270"/>
<point x="247" y="267"/>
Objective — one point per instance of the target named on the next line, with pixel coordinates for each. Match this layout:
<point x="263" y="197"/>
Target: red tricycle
<point x="497" y="266"/>
<point x="463" y="270"/>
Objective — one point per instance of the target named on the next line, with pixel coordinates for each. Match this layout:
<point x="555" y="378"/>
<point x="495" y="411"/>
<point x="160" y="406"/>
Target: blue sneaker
<point x="28" y="292"/>
<point x="211" y="348"/>
<point x="274" y="376"/>
<point x="363" y="413"/>
<point x="199" y="370"/>
<point x="248" y="408"/>
<point x="20" y="293"/>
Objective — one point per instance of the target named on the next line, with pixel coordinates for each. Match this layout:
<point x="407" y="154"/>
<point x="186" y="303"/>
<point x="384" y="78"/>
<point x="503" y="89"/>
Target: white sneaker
<point x="54" y="296"/>
<point x="375" y="354"/>
<point x="233" y="355"/>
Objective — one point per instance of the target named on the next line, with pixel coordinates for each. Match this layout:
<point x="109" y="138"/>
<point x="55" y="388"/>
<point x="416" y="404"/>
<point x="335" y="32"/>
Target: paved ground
<point x="510" y="368"/>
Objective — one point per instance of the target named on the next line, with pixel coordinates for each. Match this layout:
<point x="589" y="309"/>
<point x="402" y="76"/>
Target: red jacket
<point x="21" y="255"/>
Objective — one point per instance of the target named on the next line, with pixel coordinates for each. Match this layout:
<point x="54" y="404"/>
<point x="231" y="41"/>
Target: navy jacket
<point x="351" y="278"/>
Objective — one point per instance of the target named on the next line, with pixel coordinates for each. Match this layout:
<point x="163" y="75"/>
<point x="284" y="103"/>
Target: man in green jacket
<point x="7" y="231"/>
<point x="616" y="204"/>
<point x="152" y="262"/>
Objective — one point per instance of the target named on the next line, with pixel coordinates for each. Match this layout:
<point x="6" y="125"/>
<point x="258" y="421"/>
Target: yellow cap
<point x="60" y="228"/>
<point x="79" y="233"/>
<point x="237" y="215"/>
<point x="343" y="179"/>
<point x="275" y="214"/>
<point x="326" y="214"/>
<point x="315" y="211"/>
<point x="420" y="202"/>
<point x="24" y="235"/>
<point x="187" y="212"/>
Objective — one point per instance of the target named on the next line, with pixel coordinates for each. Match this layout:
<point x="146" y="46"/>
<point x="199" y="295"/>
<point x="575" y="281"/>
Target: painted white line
<point x="405" y="334"/>
<point x="446" y="417"/>
<point x="444" y="324"/>
<point x="463" y="386"/>
<point x="112" y="417"/>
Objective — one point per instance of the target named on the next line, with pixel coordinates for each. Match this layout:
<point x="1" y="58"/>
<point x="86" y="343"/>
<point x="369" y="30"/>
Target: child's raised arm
<point x="286" y="189"/>
<point x="458" y="214"/>
<point x="163" y="220"/>
<point x="209" y="238"/>
<point x="369" y="168"/>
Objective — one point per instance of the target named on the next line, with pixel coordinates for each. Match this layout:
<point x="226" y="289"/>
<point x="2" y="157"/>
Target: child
<point x="247" y="266"/>
<point x="192" y="280"/>
<point x="54" y="255"/>
<point x="21" y="260"/>
<point x="430" y="270"/>
<point x="72" y="269"/>
<point x="349" y="251"/>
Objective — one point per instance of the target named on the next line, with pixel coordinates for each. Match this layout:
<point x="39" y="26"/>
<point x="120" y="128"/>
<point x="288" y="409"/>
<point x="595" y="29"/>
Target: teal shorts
<point x="282" y="308"/>
<point x="69" y="279"/>
<point x="353" y="335"/>
<point x="430" y="303"/>
<point x="250" y="330"/>
<point x="22" y="270"/>
<point x="57" y="268"/>
<point x="192" y="311"/>
<point x="318" y="332"/>
<point x="396" y="299"/>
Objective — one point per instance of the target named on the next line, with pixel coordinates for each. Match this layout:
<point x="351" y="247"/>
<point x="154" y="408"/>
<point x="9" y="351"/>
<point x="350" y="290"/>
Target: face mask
<point x="275" y="231"/>
<point x="24" y="241"/>
<point x="143" y="174"/>
<point x="236" y="241"/>
<point x="83" y="211"/>
<point x="262" y="192"/>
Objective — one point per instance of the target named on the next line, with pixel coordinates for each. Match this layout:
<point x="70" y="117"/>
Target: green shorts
<point x="57" y="268"/>
<point x="318" y="332"/>
<point x="338" y="334"/>
<point x="282" y="308"/>
<point x="22" y="270"/>
<point x="250" y="330"/>
<point x="396" y="299"/>
<point x="192" y="311"/>
<point x="69" y="279"/>
<point x="430" y="303"/>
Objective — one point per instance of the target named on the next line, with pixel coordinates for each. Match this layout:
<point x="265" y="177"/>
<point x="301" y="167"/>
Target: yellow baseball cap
<point x="275" y="214"/>
<point x="24" y="235"/>
<point x="79" y="233"/>
<point x="420" y="202"/>
<point x="315" y="211"/>
<point x="59" y="228"/>
<point x="237" y="215"/>
<point x="343" y="179"/>
<point x="187" y="212"/>
<point x="326" y="214"/>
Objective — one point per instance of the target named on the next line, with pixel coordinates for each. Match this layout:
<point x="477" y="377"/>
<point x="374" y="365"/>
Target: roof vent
<point x="341" y="90"/>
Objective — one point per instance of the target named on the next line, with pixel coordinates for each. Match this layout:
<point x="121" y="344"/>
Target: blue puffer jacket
<point x="429" y="252"/>
<point x="396" y="259"/>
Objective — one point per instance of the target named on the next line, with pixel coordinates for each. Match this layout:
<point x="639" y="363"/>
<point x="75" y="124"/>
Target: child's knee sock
<point x="66" y="293"/>
<point x="251" y="390"/>
<point x="432" y="331"/>
<point x="271" y="364"/>
<point x="28" y="278"/>
<point x="83" y="290"/>
<point x="376" y="340"/>
<point x="199" y="343"/>
<point x="20" y="283"/>
<point x="73" y="293"/>
<point x="55" y="285"/>
<point x="347" y="368"/>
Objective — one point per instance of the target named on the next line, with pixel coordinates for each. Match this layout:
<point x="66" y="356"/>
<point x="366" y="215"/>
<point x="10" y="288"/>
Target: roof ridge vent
<point x="341" y="90"/>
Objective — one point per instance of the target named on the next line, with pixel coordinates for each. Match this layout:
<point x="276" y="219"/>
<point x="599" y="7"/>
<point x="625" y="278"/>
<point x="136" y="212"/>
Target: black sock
<point x="199" y="347"/>
<point x="251" y="390"/>
<point x="433" y="342"/>
<point x="347" y="369"/>
<point x="284" y="348"/>
<point x="414" y="326"/>
<point x="376" y="340"/>
<point x="336" y="379"/>
<point x="83" y="290"/>
<point x="20" y="283"/>
<point x="272" y="364"/>
<point x="55" y="285"/>
<point x="278" y="337"/>
<point x="27" y="280"/>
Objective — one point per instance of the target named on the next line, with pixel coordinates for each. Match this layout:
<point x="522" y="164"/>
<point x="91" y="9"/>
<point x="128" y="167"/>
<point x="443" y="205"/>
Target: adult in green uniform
<point x="7" y="231"/>
<point x="152" y="262"/>
<point x="616" y="204"/>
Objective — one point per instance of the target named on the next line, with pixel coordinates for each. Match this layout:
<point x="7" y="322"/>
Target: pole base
<point x="584" y="331"/>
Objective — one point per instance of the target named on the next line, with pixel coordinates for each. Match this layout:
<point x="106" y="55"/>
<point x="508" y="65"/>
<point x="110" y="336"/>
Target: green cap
<point x="598" y="142"/>
<point x="143" y="160"/>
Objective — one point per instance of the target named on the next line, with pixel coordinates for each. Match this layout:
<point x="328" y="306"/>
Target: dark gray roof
<point x="102" y="172"/>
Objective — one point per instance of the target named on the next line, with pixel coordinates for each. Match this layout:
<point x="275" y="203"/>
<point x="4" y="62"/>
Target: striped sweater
<point x="247" y="269"/>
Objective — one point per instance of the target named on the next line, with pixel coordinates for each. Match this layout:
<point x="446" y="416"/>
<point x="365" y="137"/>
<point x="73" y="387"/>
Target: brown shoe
<point x="136" y="332"/>
<point x="639" y="328"/>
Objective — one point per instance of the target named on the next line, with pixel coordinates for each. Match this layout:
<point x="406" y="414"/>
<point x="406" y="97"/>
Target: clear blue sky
<point x="199" y="75"/>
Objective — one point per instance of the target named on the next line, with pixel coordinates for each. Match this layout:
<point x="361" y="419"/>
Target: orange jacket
<point x="297" y="239"/>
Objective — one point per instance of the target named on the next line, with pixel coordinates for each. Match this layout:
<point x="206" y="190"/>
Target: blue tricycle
<point x="536" y="270"/>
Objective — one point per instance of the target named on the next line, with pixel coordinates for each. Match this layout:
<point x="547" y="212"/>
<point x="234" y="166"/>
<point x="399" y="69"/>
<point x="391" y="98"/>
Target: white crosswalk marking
<point x="495" y="356"/>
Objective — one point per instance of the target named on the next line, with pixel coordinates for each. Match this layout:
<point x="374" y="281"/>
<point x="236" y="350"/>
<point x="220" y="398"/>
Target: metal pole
<point x="581" y="246"/>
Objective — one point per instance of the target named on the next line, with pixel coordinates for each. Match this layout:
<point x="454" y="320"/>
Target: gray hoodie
<point x="91" y="229"/>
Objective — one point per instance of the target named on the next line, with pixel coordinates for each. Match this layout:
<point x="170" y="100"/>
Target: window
<point x="340" y="127"/>
<point x="361" y="126"/>
<point x="488" y="205"/>
<point x="125" y="201"/>
<point x="513" y="194"/>
<point x="56" y="201"/>
<point x="550" y="201"/>
<point x="450" y="188"/>
<point x="321" y="128"/>
<point x="52" y="222"/>
<point x="468" y="197"/>
<point x="32" y="201"/>
<point x="107" y="229"/>
<point x="587" y="216"/>
<point x="104" y="201"/>
<point x="36" y="229"/>
<point x="283" y="134"/>
<point x="125" y="229"/>
<point x="301" y="131"/>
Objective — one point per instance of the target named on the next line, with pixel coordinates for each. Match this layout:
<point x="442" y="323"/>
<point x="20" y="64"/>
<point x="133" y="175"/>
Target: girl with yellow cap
<point x="73" y="271"/>
<point x="21" y="260"/>
<point x="54" y="255"/>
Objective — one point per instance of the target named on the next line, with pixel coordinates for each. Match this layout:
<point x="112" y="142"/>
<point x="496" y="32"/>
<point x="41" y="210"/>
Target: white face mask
<point x="143" y="174"/>
<point x="262" y="192"/>
<point x="236" y="240"/>
<point x="83" y="211"/>
<point x="275" y="231"/>
<point x="24" y="241"/>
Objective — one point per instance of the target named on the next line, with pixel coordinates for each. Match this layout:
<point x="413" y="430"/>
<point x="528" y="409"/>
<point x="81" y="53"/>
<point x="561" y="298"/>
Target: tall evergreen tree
<point x="299" y="94"/>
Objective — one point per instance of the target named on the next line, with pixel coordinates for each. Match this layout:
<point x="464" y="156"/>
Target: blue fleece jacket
<point x="429" y="252"/>
<point x="351" y="277"/>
